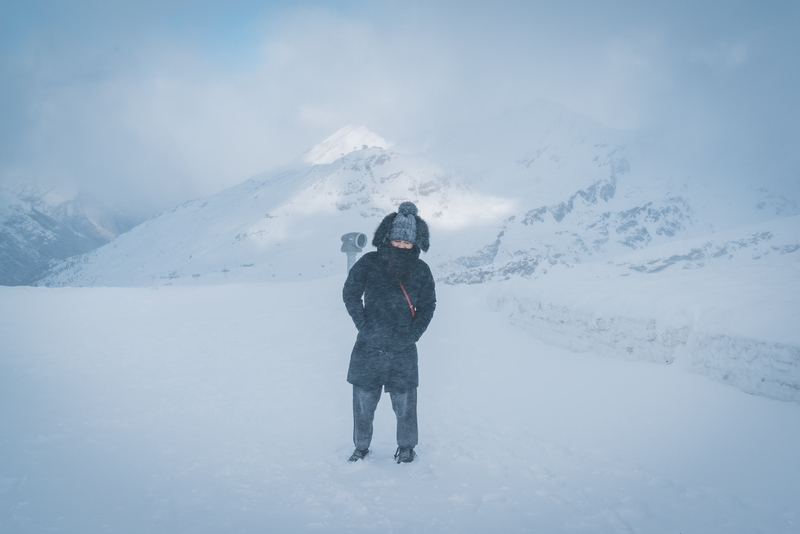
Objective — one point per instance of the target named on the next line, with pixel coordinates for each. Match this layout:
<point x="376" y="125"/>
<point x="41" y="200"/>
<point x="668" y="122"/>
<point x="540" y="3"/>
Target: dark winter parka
<point x="385" y="352"/>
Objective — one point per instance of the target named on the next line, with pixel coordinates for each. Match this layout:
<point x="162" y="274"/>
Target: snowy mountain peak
<point x="344" y="141"/>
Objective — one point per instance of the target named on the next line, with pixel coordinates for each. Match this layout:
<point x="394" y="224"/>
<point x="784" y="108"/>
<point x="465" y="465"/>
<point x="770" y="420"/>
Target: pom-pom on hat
<point x="404" y="225"/>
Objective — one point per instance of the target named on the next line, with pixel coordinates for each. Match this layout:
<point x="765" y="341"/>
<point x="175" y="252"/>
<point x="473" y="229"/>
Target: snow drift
<point x="732" y="303"/>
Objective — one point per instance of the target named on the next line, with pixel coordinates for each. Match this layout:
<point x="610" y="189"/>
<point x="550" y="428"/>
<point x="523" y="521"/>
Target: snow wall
<point x="746" y="336"/>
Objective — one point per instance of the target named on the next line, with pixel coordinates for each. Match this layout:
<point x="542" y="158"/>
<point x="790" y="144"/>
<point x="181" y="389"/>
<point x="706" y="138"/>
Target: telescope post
<point x="352" y="244"/>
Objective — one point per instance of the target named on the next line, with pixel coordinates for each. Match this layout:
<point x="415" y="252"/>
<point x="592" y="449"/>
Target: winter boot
<point x="358" y="455"/>
<point x="404" y="455"/>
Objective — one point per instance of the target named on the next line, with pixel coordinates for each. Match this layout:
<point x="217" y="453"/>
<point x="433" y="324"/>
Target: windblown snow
<point x="553" y="202"/>
<point x="596" y="305"/>
<point x="225" y="409"/>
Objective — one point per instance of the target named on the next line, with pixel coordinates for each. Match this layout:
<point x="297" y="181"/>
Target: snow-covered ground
<point x="732" y="306"/>
<point x="225" y="409"/>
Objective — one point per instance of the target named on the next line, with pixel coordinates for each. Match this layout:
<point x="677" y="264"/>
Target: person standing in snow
<point x="391" y="298"/>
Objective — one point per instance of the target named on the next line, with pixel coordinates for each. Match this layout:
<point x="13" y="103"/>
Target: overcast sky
<point x="157" y="102"/>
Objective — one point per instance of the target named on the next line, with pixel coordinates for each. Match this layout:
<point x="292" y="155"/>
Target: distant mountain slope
<point x="38" y="228"/>
<point x="285" y="224"/>
<point x="511" y="196"/>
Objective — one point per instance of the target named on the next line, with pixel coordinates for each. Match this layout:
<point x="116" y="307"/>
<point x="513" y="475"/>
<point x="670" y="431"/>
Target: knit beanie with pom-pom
<point x="404" y="227"/>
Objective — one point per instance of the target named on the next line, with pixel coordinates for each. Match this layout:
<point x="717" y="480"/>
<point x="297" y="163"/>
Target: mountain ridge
<point x="40" y="227"/>
<point x="571" y="192"/>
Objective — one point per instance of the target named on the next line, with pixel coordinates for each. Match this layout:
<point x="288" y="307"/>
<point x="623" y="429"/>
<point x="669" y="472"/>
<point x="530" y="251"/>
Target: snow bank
<point x="738" y="322"/>
<point x="225" y="409"/>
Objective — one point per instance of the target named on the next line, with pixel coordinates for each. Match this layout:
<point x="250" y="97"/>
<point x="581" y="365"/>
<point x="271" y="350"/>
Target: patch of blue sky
<point x="227" y="33"/>
<point x="229" y="37"/>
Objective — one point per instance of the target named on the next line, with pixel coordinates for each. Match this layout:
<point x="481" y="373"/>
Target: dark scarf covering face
<point x="402" y="260"/>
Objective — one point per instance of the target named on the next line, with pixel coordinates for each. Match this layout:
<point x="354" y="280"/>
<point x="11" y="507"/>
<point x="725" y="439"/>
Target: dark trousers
<point x="404" y="404"/>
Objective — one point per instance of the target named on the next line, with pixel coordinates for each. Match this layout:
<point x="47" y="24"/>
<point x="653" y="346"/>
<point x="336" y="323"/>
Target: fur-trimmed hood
<point x="423" y="240"/>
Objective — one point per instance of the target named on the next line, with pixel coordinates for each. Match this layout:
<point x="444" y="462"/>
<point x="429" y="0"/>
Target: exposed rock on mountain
<point x="39" y="228"/>
<point x="513" y="196"/>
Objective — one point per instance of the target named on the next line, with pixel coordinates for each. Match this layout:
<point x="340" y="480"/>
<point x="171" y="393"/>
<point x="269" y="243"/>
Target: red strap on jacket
<point x="410" y="306"/>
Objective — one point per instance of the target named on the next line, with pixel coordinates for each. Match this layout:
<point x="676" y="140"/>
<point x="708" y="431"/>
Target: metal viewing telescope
<point x="352" y="244"/>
